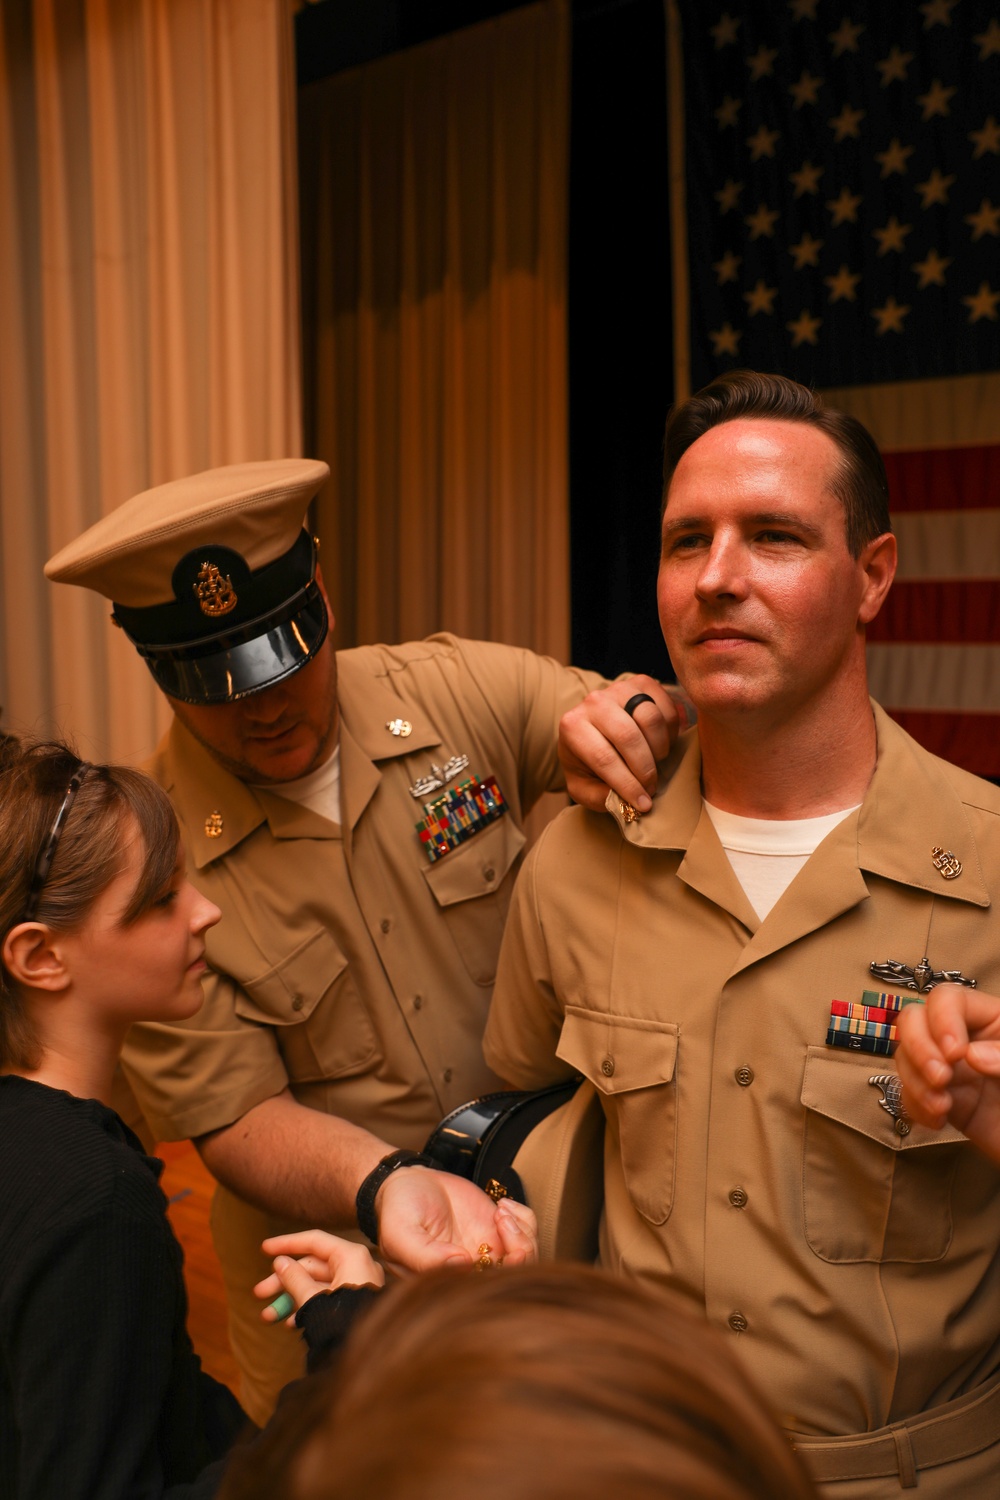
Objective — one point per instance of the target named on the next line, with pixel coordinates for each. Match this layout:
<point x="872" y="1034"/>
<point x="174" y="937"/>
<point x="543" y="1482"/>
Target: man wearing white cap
<point x="357" y="817"/>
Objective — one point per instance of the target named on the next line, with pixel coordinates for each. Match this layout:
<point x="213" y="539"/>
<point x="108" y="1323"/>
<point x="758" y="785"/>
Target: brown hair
<point x="90" y="854"/>
<point x="555" y="1382"/>
<point x="860" y="484"/>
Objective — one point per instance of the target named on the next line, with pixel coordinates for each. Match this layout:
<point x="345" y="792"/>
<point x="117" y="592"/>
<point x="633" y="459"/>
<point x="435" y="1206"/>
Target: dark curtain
<point x="620" y="352"/>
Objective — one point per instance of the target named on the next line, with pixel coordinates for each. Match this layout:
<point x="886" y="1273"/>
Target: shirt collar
<point x="369" y="707"/>
<point x="216" y="809"/>
<point x="911" y="808"/>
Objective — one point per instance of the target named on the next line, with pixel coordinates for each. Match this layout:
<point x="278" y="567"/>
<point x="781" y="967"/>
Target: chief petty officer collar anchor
<point x="871" y="1025"/>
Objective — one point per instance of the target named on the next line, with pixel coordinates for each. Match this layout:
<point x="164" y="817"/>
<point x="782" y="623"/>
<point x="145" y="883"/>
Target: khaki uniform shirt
<point x="747" y="1162"/>
<point x="346" y="966"/>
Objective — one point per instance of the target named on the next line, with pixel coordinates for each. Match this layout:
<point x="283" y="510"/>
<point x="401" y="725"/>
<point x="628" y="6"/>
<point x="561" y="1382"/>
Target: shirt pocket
<point x="472" y="886"/>
<point x="633" y="1066"/>
<point x="871" y="1194"/>
<point x="322" y="1025"/>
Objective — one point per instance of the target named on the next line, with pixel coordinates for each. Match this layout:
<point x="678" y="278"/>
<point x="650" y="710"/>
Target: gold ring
<point x="485" y="1260"/>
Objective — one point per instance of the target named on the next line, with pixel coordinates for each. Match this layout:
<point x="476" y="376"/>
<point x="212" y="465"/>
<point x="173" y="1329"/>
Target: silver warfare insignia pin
<point x="438" y="777"/>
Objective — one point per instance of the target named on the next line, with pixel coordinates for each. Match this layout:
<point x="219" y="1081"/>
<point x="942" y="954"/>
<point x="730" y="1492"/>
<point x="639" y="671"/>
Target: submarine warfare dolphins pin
<point x="920" y="977"/>
<point x="438" y="776"/>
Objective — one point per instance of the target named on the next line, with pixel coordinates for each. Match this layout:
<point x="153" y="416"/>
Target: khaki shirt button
<point x="418" y="1001"/>
<point x="744" y="1077"/>
<point x="490" y="874"/>
<point x="738" y="1198"/>
<point x="298" y="1003"/>
<point x="447" y="1075"/>
<point x="738" y="1322"/>
<point x="385" y="924"/>
<point x="902" y="1127"/>
<point x="608" y="1067"/>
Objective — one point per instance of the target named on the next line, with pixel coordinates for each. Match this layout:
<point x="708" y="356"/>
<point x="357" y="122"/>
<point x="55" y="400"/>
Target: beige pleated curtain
<point x="434" y="216"/>
<point x="149" y="319"/>
<point x="148" y="306"/>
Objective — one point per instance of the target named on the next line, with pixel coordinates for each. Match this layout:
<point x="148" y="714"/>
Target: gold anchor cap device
<point x="212" y="578"/>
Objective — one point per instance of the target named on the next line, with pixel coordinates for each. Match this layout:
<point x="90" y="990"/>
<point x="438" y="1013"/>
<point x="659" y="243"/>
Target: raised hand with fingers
<point x="948" y="1057"/>
<point x="614" y="739"/>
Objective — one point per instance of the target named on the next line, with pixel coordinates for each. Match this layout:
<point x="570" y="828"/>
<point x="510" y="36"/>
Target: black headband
<point x="47" y="853"/>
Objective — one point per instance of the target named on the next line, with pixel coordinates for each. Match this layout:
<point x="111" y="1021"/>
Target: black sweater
<point x="101" y="1395"/>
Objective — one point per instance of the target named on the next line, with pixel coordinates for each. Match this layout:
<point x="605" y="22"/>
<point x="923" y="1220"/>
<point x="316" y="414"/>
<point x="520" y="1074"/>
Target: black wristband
<point x="364" y="1203"/>
<point x="635" y="700"/>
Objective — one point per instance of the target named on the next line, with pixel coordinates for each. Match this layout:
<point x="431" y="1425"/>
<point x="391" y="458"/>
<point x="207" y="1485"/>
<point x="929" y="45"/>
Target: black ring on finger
<point x="635" y="700"/>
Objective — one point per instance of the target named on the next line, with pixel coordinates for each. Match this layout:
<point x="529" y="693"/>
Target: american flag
<point x="836" y="203"/>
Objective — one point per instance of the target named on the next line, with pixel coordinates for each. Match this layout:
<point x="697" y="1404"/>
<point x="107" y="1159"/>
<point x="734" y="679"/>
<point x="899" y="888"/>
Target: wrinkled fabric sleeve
<point x="527" y="695"/>
<point x="243" y="1053"/>
<point x="90" y="1347"/>
<point x="328" y="1318"/>
<point x="526" y="1016"/>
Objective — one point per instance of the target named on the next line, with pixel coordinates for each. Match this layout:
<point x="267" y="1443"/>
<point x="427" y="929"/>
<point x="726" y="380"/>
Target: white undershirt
<point x="767" y="853"/>
<point x="319" y="791"/>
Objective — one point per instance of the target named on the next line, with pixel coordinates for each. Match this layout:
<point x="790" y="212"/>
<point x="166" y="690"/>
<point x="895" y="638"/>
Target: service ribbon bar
<point x="880" y="1000"/>
<point x="868" y="1026"/>
<point x="459" y="815"/>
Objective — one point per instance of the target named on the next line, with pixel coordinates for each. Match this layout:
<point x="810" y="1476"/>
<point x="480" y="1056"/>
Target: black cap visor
<point x="251" y="658"/>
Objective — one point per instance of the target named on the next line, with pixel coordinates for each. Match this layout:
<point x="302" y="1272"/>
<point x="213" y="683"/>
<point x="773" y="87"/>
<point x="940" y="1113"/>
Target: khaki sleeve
<point x="526" y="1015"/>
<point x="528" y="695"/>
<point x="205" y="1073"/>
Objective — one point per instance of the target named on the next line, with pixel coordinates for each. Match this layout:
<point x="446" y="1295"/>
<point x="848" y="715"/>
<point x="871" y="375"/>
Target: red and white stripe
<point x="934" y="650"/>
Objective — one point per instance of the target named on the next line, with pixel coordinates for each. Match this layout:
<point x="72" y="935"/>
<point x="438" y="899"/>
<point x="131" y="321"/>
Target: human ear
<point x="33" y="958"/>
<point x="878" y="563"/>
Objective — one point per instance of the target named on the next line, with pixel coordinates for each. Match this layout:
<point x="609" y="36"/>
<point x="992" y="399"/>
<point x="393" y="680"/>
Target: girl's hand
<point x="321" y="1263"/>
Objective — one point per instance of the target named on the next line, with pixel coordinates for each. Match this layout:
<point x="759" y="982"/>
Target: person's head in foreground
<point x="552" y="1382"/>
<point x="98" y="926"/>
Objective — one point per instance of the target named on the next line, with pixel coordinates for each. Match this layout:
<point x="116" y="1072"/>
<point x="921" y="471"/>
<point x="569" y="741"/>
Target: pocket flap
<point x="618" y="1053"/>
<point x="839" y="1088"/>
<point x="289" y="992"/>
<point x="478" y="867"/>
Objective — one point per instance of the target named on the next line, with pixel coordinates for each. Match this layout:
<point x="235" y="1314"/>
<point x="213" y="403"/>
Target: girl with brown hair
<point x="101" y="1394"/>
